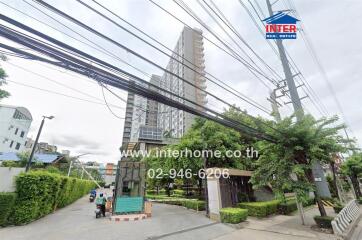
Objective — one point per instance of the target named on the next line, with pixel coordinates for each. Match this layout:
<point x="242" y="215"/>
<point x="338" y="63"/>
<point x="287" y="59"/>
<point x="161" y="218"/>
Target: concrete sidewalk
<point x="280" y="227"/>
<point x="357" y="232"/>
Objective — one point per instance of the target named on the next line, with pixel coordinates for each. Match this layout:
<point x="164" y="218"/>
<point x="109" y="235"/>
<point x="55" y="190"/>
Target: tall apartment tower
<point x="189" y="51"/>
<point x="141" y="116"/>
<point x="152" y="105"/>
<point x="150" y="125"/>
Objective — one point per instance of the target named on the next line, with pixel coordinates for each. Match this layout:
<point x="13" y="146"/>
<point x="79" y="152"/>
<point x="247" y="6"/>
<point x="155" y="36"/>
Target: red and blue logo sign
<point x="281" y="26"/>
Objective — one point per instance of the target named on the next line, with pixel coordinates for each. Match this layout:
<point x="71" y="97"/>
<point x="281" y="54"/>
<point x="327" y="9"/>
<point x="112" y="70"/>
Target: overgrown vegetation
<point x="287" y="164"/>
<point x="353" y="169"/>
<point x="6" y="205"/>
<point x="3" y="76"/>
<point x="40" y="192"/>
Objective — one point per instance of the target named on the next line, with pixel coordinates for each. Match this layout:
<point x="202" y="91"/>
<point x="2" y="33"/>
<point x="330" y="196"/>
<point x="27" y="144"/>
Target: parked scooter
<point x="98" y="211"/>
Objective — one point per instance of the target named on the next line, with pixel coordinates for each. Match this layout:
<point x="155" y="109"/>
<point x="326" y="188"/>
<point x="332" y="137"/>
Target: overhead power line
<point x="63" y="14"/>
<point x="194" y="67"/>
<point x="76" y="65"/>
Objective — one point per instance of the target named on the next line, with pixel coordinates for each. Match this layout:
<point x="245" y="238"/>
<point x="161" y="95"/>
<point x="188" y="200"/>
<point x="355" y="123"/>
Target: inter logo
<point x="281" y="26"/>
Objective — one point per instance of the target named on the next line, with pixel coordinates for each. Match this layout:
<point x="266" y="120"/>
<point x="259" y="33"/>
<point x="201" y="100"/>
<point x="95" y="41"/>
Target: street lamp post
<point x="36" y="142"/>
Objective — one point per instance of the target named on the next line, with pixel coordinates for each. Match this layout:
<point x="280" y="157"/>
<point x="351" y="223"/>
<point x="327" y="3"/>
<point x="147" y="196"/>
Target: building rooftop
<point x="22" y="110"/>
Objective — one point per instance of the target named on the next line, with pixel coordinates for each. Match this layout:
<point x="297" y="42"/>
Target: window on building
<point x="16" y="131"/>
<point x="22" y="134"/>
<point x="17" y="147"/>
<point x="11" y="144"/>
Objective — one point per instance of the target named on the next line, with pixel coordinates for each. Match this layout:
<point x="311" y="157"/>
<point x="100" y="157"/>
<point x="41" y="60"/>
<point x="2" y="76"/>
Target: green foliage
<point x="353" y="165"/>
<point x="194" y="204"/>
<point x="260" y="209"/>
<point x="290" y="206"/>
<point x="337" y="208"/>
<point x="6" y="205"/>
<point x="172" y="201"/>
<point x="332" y="187"/>
<point x="179" y="192"/>
<point x="353" y="169"/>
<point x="52" y="169"/>
<point x="324" y="222"/>
<point x="9" y="164"/>
<point x="40" y="192"/>
<point x="299" y="144"/>
<point x="233" y="215"/>
<point x="287" y="208"/>
<point x="3" y="93"/>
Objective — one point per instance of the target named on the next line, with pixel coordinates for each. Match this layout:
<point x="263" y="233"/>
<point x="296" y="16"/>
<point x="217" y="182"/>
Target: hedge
<point x="324" y="222"/>
<point x="291" y="206"/>
<point x="233" y="215"/>
<point x="260" y="209"/>
<point x="40" y="193"/>
<point x="288" y="207"/>
<point x="6" y="205"/>
<point x="172" y="201"/>
<point x="194" y="204"/>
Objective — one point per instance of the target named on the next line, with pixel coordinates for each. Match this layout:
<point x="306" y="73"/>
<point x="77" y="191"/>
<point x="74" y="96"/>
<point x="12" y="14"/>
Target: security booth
<point x="129" y="188"/>
<point x="227" y="191"/>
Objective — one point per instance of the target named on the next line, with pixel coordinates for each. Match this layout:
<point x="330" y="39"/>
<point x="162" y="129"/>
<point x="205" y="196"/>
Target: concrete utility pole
<point x="297" y="104"/>
<point x="321" y="184"/>
<point x="28" y="165"/>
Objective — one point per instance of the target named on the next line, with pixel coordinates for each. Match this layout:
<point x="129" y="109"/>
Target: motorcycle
<point x="91" y="198"/>
<point x="98" y="211"/>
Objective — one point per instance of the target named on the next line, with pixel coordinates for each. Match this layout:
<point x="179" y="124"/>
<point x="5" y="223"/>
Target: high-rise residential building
<point x="152" y="105"/>
<point x="141" y="115"/>
<point x="146" y="120"/>
<point x="189" y="51"/>
<point x="14" y="126"/>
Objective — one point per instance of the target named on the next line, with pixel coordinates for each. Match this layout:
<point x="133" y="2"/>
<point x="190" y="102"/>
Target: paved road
<point x="78" y="222"/>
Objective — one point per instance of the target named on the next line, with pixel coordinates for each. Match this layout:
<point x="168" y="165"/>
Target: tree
<point x="3" y="93"/>
<point x="287" y="164"/>
<point x="353" y="169"/>
<point x="206" y="137"/>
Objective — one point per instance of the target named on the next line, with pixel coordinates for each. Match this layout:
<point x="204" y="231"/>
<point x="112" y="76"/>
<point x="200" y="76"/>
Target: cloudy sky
<point x="83" y="124"/>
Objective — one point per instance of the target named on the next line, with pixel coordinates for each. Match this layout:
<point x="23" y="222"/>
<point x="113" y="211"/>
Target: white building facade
<point x="189" y="51"/>
<point x="14" y="126"/>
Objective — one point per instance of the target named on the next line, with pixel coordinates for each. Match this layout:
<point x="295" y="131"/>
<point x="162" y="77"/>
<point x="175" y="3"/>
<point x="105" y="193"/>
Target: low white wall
<point x="7" y="178"/>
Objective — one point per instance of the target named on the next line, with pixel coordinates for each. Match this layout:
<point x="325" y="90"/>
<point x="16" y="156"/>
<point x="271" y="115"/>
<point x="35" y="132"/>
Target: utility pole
<point x="28" y="165"/>
<point x="297" y="104"/>
<point x="321" y="185"/>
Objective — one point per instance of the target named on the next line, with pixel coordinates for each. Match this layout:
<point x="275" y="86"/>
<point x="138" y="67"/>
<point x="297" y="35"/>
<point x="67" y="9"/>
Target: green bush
<point x="324" y="222"/>
<point x="171" y="201"/>
<point x="288" y="207"/>
<point x="309" y="202"/>
<point x="40" y="193"/>
<point x="6" y="205"/>
<point x="194" y="204"/>
<point x="233" y="215"/>
<point x="360" y="200"/>
<point x="291" y="206"/>
<point x="179" y="192"/>
<point x="260" y="209"/>
<point x="337" y="208"/>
